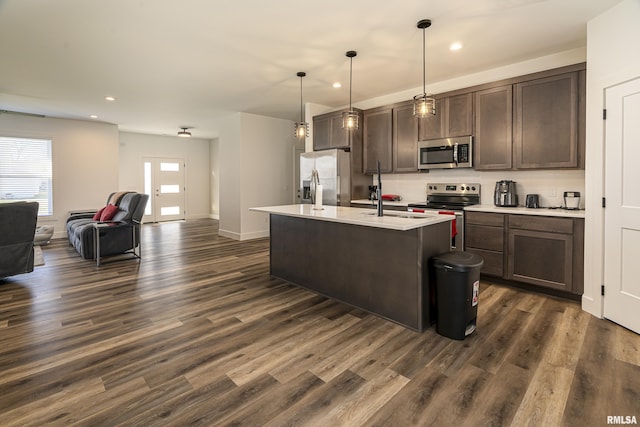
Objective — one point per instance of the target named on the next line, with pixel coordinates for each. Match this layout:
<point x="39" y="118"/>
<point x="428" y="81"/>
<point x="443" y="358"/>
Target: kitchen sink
<point x="399" y="214"/>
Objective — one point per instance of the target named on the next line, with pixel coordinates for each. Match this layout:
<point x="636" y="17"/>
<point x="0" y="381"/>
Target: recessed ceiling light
<point x="93" y="116"/>
<point x="337" y="85"/>
<point x="109" y="98"/>
<point x="455" y="46"/>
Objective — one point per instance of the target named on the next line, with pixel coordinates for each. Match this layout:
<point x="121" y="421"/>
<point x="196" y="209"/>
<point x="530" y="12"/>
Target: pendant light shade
<point x="350" y="118"/>
<point x="301" y="127"/>
<point x="423" y="104"/>
<point x="184" y="133"/>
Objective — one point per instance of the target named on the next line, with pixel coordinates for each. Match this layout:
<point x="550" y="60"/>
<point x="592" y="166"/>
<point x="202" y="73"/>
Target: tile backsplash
<point x="548" y="184"/>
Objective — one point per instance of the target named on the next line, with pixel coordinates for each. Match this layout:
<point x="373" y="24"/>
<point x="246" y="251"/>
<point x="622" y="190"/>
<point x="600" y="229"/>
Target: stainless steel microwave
<point x="446" y="153"/>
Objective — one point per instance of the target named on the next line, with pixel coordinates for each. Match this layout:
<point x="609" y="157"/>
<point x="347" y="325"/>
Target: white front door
<point x="622" y="212"/>
<point x="164" y="182"/>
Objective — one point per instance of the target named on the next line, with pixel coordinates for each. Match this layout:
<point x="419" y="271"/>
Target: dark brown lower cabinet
<point x="488" y="242"/>
<point x="540" y="258"/>
<point x="484" y="236"/>
<point x="537" y="250"/>
<point x="546" y="251"/>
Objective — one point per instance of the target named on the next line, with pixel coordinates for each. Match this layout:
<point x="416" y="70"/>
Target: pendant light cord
<point x="350" y="80"/>
<point x="424" y="62"/>
<point x="301" y="108"/>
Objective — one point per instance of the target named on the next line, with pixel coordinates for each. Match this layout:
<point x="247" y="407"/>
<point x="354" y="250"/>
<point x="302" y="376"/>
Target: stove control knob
<point x="473" y="188"/>
<point x="435" y="187"/>
<point x="467" y="187"/>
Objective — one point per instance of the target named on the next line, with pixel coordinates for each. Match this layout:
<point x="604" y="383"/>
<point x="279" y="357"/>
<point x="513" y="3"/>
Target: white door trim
<point x="621" y="302"/>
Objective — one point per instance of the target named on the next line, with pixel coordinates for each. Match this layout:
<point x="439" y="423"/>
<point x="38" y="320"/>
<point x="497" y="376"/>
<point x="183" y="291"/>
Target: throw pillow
<point x="98" y="214"/>
<point x="108" y="213"/>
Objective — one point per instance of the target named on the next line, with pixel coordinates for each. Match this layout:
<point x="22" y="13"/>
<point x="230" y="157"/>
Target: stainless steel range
<point x="450" y="199"/>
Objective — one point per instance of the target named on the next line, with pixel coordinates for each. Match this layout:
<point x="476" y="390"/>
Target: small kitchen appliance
<point x="449" y="199"/>
<point x="533" y="201"/>
<point x="446" y="153"/>
<point x="505" y="193"/>
<point x="572" y="200"/>
<point x="373" y="192"/>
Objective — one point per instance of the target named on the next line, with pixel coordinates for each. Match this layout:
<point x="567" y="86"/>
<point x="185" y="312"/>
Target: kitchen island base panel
<point x="385" y="272"/>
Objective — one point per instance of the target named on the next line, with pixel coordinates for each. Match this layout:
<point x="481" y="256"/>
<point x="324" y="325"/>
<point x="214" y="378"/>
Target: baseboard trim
<point x="243" y="236"/>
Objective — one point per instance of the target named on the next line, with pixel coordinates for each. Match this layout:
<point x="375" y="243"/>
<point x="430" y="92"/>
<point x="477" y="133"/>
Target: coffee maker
<point x="571" y="200"/>
<point x="505" y="193"/>
<point x="373" y="192"/>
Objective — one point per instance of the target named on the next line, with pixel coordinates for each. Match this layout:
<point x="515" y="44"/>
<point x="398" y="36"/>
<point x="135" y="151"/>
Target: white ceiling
<point x="186" y="63"/>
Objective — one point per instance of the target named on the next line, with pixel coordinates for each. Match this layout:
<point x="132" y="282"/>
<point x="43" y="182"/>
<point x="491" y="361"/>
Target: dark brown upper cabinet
<point x="432" y="127"/>
<point x="391" y="136"/>
<point x="321" y="132"/>
<point x="328" y="132"/>
<point x="378" y="131"/>
<point x="405" y="138"/>
<point x="492" y="147"/>
<point x="454" y="117"/>
<point x="458" y="115"/>
<point x="546" y="122"/>
<point x="532" y="122"/>
<point x="535" y="121"/>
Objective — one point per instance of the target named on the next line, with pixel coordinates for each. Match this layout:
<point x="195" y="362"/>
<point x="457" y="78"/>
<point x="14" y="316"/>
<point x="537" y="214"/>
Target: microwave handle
<point x="455" y="153"/>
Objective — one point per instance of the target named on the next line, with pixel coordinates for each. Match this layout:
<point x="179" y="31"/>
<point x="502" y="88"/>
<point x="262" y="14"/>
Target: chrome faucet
<point x="379" y="192"/>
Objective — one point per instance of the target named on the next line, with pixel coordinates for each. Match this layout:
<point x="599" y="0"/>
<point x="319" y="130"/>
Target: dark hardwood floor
<point x="198" y="333"/>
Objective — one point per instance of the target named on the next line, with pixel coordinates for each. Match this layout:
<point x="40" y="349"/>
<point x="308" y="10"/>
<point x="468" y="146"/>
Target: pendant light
<point x="350" y="118"/>
<point x="302" y="127"/>
<point x="423" y="104"/>
<point x="184" y="133"/>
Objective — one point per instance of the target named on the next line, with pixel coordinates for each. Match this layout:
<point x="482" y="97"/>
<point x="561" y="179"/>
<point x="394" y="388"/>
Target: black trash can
<point x="457" y="277"/>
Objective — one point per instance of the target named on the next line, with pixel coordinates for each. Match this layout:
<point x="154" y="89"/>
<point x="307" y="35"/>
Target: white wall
<point x="230" y="176"/>
<point x="255" y="170"/>
<point x="543" y="63"/>
<point x="194" y="151"/>
<point x="549" y="185"/>
<point x="214" y="161"/>
<point x="84" y="157"/>
<point x="612" y="46"/>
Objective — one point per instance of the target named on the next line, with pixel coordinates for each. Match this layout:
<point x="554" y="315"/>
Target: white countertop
<point x="358" y="216"/>
<point x="527" y="211"/>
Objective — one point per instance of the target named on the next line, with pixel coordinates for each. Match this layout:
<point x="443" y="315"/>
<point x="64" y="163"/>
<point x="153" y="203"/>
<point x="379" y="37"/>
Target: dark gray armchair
<point x="119" y="235"/>
<point x="17" y="229"/>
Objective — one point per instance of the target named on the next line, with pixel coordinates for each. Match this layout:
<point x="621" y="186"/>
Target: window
<point x="25" y="172"/>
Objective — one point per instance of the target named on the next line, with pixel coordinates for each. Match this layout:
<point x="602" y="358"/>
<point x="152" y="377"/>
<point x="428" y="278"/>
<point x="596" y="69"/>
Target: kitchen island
<point x="377" y="264"/>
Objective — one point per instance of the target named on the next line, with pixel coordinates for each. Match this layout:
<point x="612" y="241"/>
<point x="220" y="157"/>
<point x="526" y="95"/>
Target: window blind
<point x="25" y="172"/>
